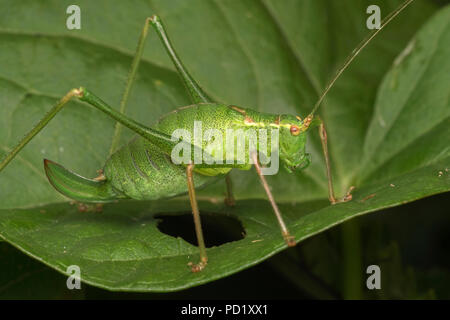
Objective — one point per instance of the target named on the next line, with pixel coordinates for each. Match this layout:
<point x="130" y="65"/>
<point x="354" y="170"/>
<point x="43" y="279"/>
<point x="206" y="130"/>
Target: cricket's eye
<point x="295" y="130"/>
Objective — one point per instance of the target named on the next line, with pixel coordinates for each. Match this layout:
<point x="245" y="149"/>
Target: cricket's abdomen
<point x="141" y="171"/>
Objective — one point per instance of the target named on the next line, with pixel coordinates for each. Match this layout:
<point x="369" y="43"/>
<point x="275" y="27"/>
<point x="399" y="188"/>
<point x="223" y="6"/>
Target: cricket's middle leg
<point x="198" y="225"/>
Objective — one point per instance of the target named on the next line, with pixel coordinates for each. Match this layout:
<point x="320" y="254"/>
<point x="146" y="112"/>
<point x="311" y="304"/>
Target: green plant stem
<point x="351" y="272"/>
<point x="293" y="269"/>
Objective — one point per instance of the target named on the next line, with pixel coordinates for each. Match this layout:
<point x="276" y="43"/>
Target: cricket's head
<point x="292" y="142"/>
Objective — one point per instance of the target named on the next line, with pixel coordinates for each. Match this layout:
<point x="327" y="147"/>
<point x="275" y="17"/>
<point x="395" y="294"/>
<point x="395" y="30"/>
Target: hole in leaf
<point x="217" y="229"/>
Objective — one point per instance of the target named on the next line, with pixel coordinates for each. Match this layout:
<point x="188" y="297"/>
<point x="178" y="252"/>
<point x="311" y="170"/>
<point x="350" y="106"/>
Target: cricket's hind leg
<point x="195" y="91"/>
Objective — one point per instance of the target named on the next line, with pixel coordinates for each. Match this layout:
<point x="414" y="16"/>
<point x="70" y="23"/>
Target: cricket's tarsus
<point x="135" y="170"/>
<point x="348" y="196"/>
<point x="290" y="240"/>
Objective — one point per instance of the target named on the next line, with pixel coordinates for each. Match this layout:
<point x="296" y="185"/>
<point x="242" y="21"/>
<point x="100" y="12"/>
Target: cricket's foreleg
<point x="229" y="199"/>
<point x="331" y="196"/>
<point x="290" y="240"/>
<point x="196" y="92"/>
<point x="198" y="225"/>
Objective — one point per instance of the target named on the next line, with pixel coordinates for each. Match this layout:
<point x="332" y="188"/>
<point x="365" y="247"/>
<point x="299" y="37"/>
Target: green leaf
<point x="122" y="249"/>
<point x="387" y="120"/>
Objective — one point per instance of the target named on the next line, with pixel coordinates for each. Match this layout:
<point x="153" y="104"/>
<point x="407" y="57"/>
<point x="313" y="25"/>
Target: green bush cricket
<point x="143" y="168"/>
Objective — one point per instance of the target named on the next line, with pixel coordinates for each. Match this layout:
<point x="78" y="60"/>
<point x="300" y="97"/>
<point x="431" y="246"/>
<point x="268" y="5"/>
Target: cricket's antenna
<point x="356" y="51"/>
